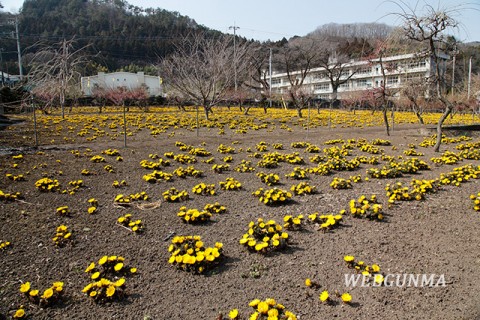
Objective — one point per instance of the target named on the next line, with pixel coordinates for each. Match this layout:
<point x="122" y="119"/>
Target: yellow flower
<point x="254" y="303"/>
<point x="20" y="313"/>
<point x="110" y="291"/>
<point x="133" y="270"/>
<point x="93" y="294"/>
<point x="95" y="275"/>
<point x="263" y="307"/>
<point x="375" y="268"/>
<point x="120" y="282"/>
<point x="346" y="297"/>
<point x="25" y="287"/>
<point x="254" y="316"/>
<point x="349" y="258"/>
<point x="233" y="314"/>
<point x="324" y="296"/>
<point x="118" y="266"/>
<point x="308" y="282"/>
<point x="90" y="267"/>
<point x="103" y="260"/>
<point x="47" y="293"/>
<point x="33" y="293"/>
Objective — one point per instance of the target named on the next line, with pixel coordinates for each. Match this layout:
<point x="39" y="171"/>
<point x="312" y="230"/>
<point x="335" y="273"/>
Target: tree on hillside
<point x="428" y="27"/>
<point x="202" y="69"/>
<point x="55" y="73"/>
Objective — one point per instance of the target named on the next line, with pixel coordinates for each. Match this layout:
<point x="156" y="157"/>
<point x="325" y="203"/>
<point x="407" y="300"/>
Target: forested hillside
<point x="123" y="34"/>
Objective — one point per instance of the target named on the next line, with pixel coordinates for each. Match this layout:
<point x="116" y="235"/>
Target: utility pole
<point x="453" y="68"/>
<point x="469" y="77"/>
<point x="234" y="27"/>
<point x="270" y="77"/>
<point x="20" y="69"/>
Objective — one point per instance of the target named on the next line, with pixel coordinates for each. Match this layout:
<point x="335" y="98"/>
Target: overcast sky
<point x="275" y="19"/>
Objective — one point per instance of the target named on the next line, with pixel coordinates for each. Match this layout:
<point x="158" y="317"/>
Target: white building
<point x="122" y="79"/>
<point x="367" y="74"/>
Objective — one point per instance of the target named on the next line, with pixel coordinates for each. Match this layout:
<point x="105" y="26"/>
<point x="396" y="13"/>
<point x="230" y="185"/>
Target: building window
<point x="363" y="83"/>
<point x="345" y="85"/>
<point x="364" y="70"/>
<point x="276" y="81"/>
<point x="319" y="76"/>
<point x="393" y="80"/>
<point x="345" y="73"/>
<point x="322" y="87"/>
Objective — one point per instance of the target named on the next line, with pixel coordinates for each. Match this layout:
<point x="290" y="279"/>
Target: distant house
<point x="7" y="79"/>
<point x="122" y="79"/>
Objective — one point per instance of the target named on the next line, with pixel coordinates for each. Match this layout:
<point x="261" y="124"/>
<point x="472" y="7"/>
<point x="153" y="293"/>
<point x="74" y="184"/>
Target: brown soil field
<point x="438" y="235"/>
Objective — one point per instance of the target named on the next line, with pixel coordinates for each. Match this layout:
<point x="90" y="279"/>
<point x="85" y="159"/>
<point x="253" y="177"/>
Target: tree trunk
<point x="385" y="120"/>
<point x="419" y="116"/>
<point x="444" y="116"/>
<point x="245" y="110"/>
<point x="299" y="112"/>
<point x="206" y="112"/>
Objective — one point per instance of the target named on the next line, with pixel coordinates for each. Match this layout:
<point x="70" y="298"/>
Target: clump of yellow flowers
<point x="298" y="174"/>
<point x="272" y="196"/>
<point x="340" y="183"/>
<point x="215" y="208"/>
<point x="188" y="253"/>
<point x="292" y="222"/>
<point x="63" y="211"/>
<point x="119" y="184"/>
<point x="188" y="171"/>
<point x="245" y="166"/>
<point x="476" y="201"/>
<point x="49" y="296"/>
<point x="368" y="208"/>
<point x="370" y="272"/>
<point x="174" y="195"/>
<point x="157" y="175"/>
<point x="128" y="222"/>
<point x="267" y="309"/>
<point x="4" y="244"/>
<point x="303" y="188"/>
<point x="97" y="159"/>
<point x="9" y="196"/>
<point x="220" y="168"/>
<point x="194" y="215"/>
<point x="264" y="236"/>
<point x="204" y="189"/>
<point x="269" y="179"/>
<point x="103" y="288"/>
<point x="326" y="222"/>
<point x="127" y="199"/>
<point x="62" y="236"/>
<point x="230" y="184"/>
<point x="47" y="184"/>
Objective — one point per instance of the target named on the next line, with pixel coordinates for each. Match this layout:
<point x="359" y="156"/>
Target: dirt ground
<point x="439" y="235"/>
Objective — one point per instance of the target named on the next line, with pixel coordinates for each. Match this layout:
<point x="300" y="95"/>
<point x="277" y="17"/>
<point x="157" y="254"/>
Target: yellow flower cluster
<point x="220" y="168"/>
<point x="272" y="196"/>
<point x="4" y="244"/>
<point x="277" y="146"/>
<point x="189" y="254"/>
<point x="17" y="157"/>
<point x="448" y="157"/>
<point x="267" y="162"/>
<point x="293" y="158"/>
<point x="63" y="211"/>
<point x="173" y="195"/>
<point x="109" y="267"/>
<point x="230" y="184"/>
<point x="299" y="144"/>
<point x="334" y="141"/>
<point x="245" y="166"/>
<point x="184" y="158"/>
<point x="157" y="175"/>
<point x="194" y="215"/>
<point x="47" y="184"/>
<point x="228" y="159"/>
<point x="119" y="184"/>
<point x="293" y="223"/>
<point x="225" y="149"/>
<point x="269" y="179"/>
<point x="127" y="199"/>
<point x="49" y="296"/>
<point x="201" y="152"/>
<point x="93" y="205"/>
<point x="470" y="154"/>
<point x="268" y="309"/>
<point x="264" y="236"/>
<point x="368" y="208"/>
<point x="111" y="152"/>
<point x="322" y="169"/>
<point x="412" y="152"/>
<point x="215" y="208"/>
<point x="312" y="149"/>
<point x="298" y="174"/>
<point x="381" y="142"/>
<point x="303" y="188"/>
<point x="204" y="189"/>
<point x="340" y="183"/>
<point x="355" y="179"/>
<point x="97" y="159"/>
<point x="128" y="222"/>
<point x="384" y="173"/>
<point x="105" y="290"/>
<point x="154" y="165"/>
<point x="326" y="222"/>
<point x="109" y="168"/>
<point x="460" y="175"/>
<point x="369" y="148"/>
<point x="189" y="171"/>
<point x="19" y="177"/>
<point x="9" y="196"/>
<point x="62" y="236"/>
<point x="370" y="272"/>
<point x="474" y="198"/>
<point x="209" y="160"/>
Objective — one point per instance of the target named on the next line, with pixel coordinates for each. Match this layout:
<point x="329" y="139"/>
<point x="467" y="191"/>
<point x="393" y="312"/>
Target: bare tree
<point x="55" y="72"/>
<point x="299" y="57"/>
<point x="258" y="74"/>
<point x="429" y="27"/>
<point x="202" y="69"/>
